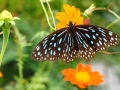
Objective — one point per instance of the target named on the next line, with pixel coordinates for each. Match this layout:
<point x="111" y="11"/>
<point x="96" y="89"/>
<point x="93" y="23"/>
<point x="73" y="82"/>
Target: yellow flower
<point x="89" y="11"/>
<point x="6" y="16"/>
<point x="82" y="76"/>
<point x="71" y="14"/>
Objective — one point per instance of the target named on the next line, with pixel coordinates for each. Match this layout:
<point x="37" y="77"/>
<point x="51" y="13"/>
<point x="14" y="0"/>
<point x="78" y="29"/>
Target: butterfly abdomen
<point x="73" y="35"/>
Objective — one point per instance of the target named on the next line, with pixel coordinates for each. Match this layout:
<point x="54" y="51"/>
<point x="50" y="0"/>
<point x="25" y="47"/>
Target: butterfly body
<point x="74" y="41"/>
<point x="71" y="30"/>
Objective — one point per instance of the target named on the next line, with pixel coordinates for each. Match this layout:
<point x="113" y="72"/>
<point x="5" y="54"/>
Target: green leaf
<point x="1" y="23"/>
<point x="12" y="22"/>
<point x="16" y="18"/>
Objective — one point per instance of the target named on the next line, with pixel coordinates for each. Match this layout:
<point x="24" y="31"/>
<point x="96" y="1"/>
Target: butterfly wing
<point x="93" y="38"/>
<point x="62" y="45"/>
<point x="58" y="45"/>
<point x="69" y="52"/>
<point x="50" y="47"/>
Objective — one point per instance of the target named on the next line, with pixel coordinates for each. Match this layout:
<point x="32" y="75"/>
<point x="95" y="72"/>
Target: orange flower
<point x="71" y="14"/>
<point x="82" y="76"/>
<point x="1" y="74"/>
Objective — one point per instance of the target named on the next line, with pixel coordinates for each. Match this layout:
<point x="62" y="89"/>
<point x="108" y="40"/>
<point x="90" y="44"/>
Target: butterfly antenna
<point x="105" y="52"/>
<point x="118" y="36"/>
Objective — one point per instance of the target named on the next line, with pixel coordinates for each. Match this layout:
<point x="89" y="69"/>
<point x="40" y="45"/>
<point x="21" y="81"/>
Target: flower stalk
<point x="89" y="11"/>
<point x="6" y="31"/>
<point x="6" y="21"/>
<point x="47" y="17"/>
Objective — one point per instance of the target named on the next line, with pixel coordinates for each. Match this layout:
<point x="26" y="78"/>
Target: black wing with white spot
<point x="74" y="41"/>
<point x="92" y="39"/>
<point x="58" y="45"/>
<point x="50" y="48"/>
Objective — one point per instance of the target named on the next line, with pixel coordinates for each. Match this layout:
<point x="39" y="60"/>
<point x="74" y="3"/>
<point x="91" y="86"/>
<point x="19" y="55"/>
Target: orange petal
<point x="96" y="79"/>
<point x="70" y="75"/>
<point x="82" y="85"/>
<point x="79" y="21"/>
<point x="67" y="9"/>
<point x="73" y="81"/>
<point x="73" y="10"/>
<point x="61" y="25"/>
<point x="76" y="15"/>
<point x="87" y="68"/>
<point x="68" y="71"/>
<point x="80" y="67"/>
<point x="61" y="16"/>
<point x="77" y="18"/>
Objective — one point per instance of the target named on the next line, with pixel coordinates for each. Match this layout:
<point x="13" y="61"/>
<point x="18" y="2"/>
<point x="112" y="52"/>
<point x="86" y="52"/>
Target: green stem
<point x="113" y="23"/>
<point x="62" y="5"/>
<point x="19" y="59"/>
<point x="51" y="14"/>
<point x="6" y="32"/>
<point x="37" y="75"/>
<point x="46" y="14"/>
<point x="20" y="66"/>
<point x="20" y="69"/>
<point x="49" y="68"/>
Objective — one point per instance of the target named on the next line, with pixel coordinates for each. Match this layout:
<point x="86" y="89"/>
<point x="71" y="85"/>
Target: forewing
<point x="50" y="48"/>
<point x="92" y="38"/>
<point x="69" y="52"/>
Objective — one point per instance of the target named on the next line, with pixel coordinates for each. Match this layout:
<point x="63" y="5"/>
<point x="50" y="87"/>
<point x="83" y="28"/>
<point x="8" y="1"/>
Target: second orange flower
<point x="82" y="76"/>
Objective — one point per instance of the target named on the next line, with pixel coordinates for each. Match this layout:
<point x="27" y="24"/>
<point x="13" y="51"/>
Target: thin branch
<point x="51" y="14"/>
<point x="107" y="9"/>
<point x="1" y="33"/>
<point x="46" y="14"/>
<point x="112" y="12"/>
<point x="111" y="3"/>
<point x="105" y="52"/>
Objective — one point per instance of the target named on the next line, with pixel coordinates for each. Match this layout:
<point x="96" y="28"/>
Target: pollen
<point x="82" y="76"/>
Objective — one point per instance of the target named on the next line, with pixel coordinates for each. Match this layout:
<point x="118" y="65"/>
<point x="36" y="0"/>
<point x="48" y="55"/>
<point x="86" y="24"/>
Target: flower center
<point x="82" y="76"/>
<point x="5" y="15"/>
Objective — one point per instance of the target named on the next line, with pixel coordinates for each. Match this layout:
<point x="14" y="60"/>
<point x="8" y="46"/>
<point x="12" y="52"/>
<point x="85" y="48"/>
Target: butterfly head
<point x="71" y="24"/>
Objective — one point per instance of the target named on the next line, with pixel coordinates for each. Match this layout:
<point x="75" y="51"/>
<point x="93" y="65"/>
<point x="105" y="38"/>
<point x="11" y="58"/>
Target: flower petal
<point x="76" y="14"/>
<point x="61" y="16"/>
<point x="87" y="68"/>
<point x="80" y="67"/>
<point x="96" y="78"/>
<point x="61" y="24"/>
<point x="82" y="85"/>
<point x="68" y="11"/>
<point x="79" y="21"/>
<point x="73" y="10"/>
<point x="77" y="18"/>
<point x="82" y="76"/>
<point x="71" y="14"/>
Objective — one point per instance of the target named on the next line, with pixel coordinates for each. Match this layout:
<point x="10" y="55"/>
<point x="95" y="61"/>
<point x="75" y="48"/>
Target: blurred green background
<point x="20" y="72"/>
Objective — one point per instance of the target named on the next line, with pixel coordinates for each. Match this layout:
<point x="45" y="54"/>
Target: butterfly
<point x="74" y="41"/>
